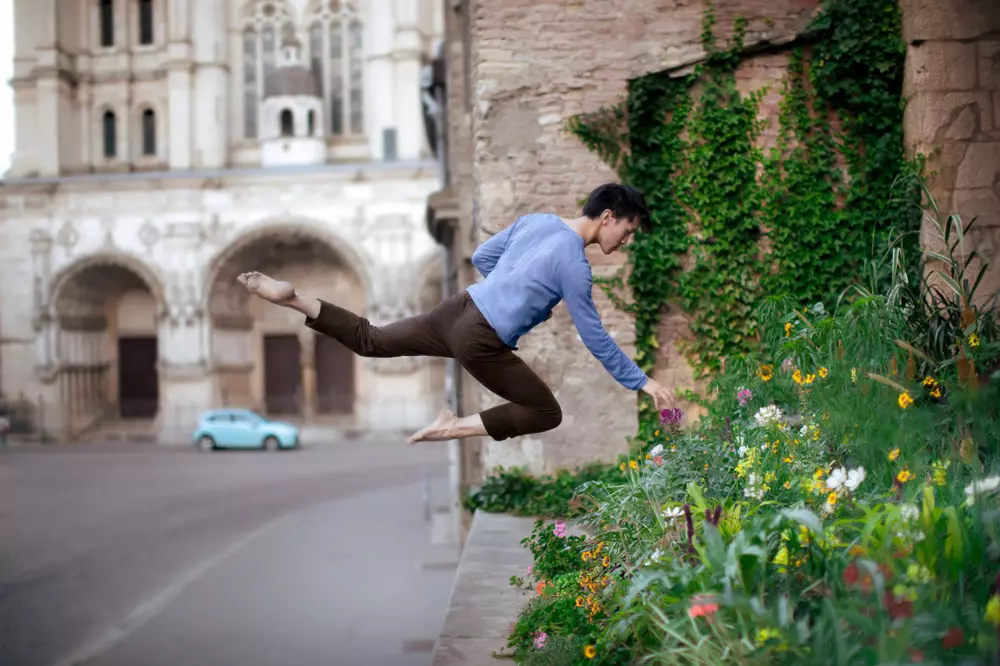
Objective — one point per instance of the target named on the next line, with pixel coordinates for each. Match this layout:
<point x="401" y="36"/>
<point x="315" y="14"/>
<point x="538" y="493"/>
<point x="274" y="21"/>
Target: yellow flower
<point x="589" y="652"/>
<point x="579" y="602"/>
<point x="766" y="372"/>
<point x="854" y="375"/>
<point x="649" y="456"/>
<point x="586" y="555"/>
<point x="810" y="378"/>
<point x="831" y="499"/>
<point x="941" y="472"/>
<point x="770" y="476"/>
<point x="905" y="400"/>
<point x="797" y="376"/>
<point x="992" y="614"/>
<point x="929" y="381"/>
<point x="818" y="474"/>
<point x="894" y="454"/>
<point x="656" y="433"/>
<point x="858" y="551"/>
<point x="788" y="485"/>
<point x="973" y="340"/>
<point x="788" y="328"/>
<point x="904" y="476"/>
<point x="622" y="466"/>
<point x="823" y="372"/>
<point x="936" y="392"/>
<point x="788" y="459"/>
<point x="633" y="464"/>
<point x="606" y="561"/>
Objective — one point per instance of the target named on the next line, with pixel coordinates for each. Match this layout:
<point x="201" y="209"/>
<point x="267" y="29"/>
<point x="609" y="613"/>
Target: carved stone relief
<point x="67" y="236"/>
<point x="108" y="225"/>
<point x="149" y="234"/>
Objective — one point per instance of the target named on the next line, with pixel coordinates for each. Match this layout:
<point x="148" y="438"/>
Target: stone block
<point x="981" y="203"/>
<point x="949" y="19"/>
<point x="941" y="66"/>
<point x="989" y="64"/>
<point x="980" y="167"/>
<point x="930" y="116"/>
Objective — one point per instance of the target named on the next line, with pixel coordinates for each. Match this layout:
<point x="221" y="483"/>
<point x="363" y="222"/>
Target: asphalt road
<point x="145" y="555"/>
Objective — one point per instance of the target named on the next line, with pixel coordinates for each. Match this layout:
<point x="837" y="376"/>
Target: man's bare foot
<point x="437" y="431"/>
<point x="275" y="291"/>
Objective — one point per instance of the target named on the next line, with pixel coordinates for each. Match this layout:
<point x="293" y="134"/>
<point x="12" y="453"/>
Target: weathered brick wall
<point x="952" y="91"/>
<point x="536" y="63"/>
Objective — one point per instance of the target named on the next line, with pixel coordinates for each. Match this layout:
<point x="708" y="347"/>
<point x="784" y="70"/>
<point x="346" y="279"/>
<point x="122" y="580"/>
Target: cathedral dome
<point x="294" y="80"/>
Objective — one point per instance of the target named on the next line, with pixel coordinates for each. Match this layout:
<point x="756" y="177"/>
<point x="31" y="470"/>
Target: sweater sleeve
<point x="577" y="283"/>
<point x="487" y="255"/>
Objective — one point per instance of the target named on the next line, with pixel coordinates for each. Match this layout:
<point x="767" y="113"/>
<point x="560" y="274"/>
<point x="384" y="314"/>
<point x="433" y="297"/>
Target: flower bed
<point x="838" y="504"/>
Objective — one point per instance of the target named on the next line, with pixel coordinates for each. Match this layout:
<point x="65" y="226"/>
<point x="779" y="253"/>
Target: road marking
<point x="150" y="608"/>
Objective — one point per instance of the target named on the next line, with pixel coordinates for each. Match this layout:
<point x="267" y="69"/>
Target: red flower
<point x="897" y="607"/>
<point x="851" y="574"/>
<point x="953" y="639"/>
<point x="916" y="656"/>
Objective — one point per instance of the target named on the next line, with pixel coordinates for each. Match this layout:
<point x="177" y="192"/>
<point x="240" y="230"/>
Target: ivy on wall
<point x="825" y="195"/>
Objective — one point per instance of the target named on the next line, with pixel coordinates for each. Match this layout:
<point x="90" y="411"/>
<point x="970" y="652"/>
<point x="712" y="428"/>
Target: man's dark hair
<point x="623" y="200"/>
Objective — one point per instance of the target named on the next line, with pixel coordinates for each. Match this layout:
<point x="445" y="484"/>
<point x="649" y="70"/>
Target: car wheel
<point x="271" y="443"/>
<point x="206" y="443"/>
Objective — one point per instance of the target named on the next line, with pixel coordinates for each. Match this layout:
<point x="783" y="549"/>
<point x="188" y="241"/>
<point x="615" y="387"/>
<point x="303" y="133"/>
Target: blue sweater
<point x="528" y="268"/>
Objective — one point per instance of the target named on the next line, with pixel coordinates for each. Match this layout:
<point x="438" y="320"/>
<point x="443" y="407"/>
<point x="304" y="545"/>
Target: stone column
<point x="307" y="341"/>
<point x="379" y="109"/>
<point x="211" y="85"/>
<point x="179" y="86"/>
<point x="952" y="91"/>
<point x="407" y="50"/>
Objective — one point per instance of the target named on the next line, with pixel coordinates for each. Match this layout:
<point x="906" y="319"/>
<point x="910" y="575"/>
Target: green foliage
<point x="697" y="161"/>
<point x="518" y="493"/>
<point x="838" y="523"/>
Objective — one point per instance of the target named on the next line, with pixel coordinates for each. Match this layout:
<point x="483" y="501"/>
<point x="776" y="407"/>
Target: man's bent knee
<point x="550" y="417"/>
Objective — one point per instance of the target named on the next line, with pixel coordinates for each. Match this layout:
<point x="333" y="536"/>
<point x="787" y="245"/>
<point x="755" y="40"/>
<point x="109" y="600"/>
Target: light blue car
<point x="243" y="429"/>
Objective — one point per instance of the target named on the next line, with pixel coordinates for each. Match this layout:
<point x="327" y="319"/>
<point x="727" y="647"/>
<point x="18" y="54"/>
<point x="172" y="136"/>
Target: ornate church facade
<point x="165" y="146"/>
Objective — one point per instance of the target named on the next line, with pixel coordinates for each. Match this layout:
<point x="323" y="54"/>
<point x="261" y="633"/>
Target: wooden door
<point x="138" y="382"/>
<point x="282" y="374"/>
<point x="334" y="376"/>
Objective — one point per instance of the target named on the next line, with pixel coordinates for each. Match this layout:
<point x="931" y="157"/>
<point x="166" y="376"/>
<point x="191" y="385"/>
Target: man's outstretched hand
<point x="662" y="396"/>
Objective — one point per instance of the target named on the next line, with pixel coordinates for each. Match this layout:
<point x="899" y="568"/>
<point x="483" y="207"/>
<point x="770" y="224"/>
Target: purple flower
<point x="744" y="396"/>
<point x="540" y="639"/>
<point x="671" y="416"/>
<point x="560" y="529"/>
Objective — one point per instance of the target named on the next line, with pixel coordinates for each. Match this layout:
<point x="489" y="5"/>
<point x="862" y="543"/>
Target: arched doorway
<point x="265" y="358"/>
<point x="106" y="317"/>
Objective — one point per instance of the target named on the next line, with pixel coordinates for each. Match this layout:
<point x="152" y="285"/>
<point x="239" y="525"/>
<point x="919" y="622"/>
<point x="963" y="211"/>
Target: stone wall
<point x="534" y="65"/>
<point x="952" y="91"/>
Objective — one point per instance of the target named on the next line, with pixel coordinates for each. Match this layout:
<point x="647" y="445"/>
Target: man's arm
<point x="486" y="255"/>
<point x="578" y="285"/>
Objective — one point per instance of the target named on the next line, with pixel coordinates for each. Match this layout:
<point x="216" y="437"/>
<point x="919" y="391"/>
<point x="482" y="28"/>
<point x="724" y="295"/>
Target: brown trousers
<point x="455" y="328"/>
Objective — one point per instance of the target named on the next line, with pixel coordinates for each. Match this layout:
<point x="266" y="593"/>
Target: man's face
<point x="615" y="233"/>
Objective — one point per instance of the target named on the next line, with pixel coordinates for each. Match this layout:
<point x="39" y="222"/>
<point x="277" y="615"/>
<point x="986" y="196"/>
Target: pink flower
<point x="531" y="567"/>
<point x="540" y="638"/>
<point x="672" y="416"/>
<point x="744" y="396"/>
<point x="786" y="365"/>
<point x="560" y="529"/>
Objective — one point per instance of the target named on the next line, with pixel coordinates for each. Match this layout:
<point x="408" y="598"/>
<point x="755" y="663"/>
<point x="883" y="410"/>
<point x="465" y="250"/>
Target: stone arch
<point x="104" y="312"/>
<point x="427" y="286"/>
<point x="263" y="356"/>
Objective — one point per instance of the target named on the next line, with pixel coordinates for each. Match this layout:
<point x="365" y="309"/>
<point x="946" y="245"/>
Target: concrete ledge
<point x="483" y="603"/>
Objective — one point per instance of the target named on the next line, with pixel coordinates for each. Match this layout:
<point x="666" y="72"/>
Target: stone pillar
<point x="407" y="50"/>
<point x="179" y="106"/>
<point x="952" y="91"/>
<point x="210" y="115"/>
<point x="379" y="109"/>
<point x="307" y="341"/>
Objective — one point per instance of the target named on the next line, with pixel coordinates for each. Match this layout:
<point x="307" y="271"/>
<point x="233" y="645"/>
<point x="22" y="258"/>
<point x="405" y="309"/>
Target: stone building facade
<point x="165" y="146"/>
<point x="515" y="72"/>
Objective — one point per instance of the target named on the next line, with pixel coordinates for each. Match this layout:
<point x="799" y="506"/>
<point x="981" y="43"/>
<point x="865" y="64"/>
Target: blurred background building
<point x="162" y="147"/>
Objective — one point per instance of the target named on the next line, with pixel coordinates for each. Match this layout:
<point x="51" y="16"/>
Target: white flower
<point x="987" y="485"/>
<point x="803" y="430"/>
<point x="742" y="451"/>
<point x="673" y="513"/>
<point x="763" y="447"/>
<point x="654" y="557"/>
<point x="766" y="416"/>
<point x="836" y="478"/>
<point x="656" y="450"/>
<point x="909" y="512"/>
<point x="854" y="478"/>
